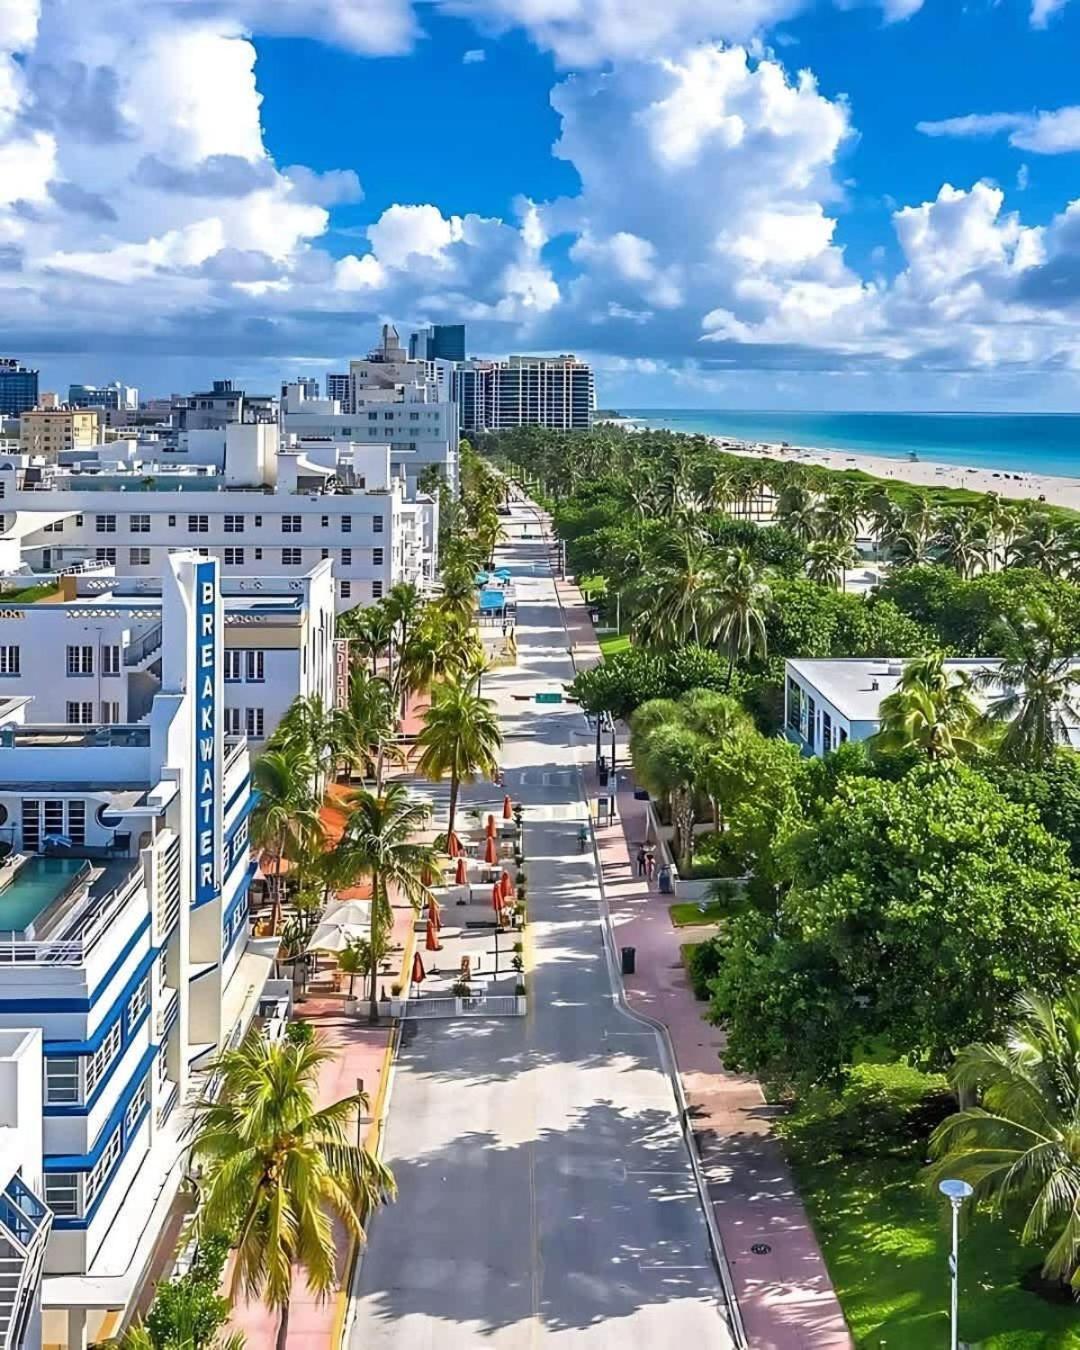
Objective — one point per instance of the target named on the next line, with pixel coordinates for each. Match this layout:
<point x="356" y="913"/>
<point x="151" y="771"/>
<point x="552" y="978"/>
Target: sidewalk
<point x="785" y="1295"/>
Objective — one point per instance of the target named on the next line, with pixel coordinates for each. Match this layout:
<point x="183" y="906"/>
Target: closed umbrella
<point x="419" y="974"/>
<point x="435" y="913"/>
<point x="491" y="825"/>
<point x="508" y="809"/>
<point x="431" y="940"/>
<point x="491" y="853"/>
<point x="461" y="876"/>
<point x="453" y="847"/>
<point x="506" y="884"/>
<point x="496" y="898"/>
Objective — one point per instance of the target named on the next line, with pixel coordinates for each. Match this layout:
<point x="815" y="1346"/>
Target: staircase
<point x="139" y="654"/>
<point x="24" y="1230"/>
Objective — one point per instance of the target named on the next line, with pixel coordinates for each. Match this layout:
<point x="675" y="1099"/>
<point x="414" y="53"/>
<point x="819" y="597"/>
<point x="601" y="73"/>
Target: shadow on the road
<point x="574" y="1256"/>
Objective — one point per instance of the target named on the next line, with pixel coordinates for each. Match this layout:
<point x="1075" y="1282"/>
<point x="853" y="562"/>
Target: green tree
<point x="1036" y="688"/>
<point x="276" y="1169"/>
<point x="742" y="599"/>
<point x="378" y="843"/>
<point x="932" y="708"/>
<point x="828" y="558"/>
<point x="287" y="810"/>
<point x="365" y="726"/>
<point x="1053" y="790"/>
<point x="460" y="738"/>
<point x="1020" y="1146"/>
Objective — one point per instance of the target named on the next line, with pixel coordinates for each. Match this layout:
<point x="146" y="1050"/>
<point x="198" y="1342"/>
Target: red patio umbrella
<point x="496" y="898"/>
<point x="427" y="876"/>
<point x="490" y="825"/>
<point x="434" y="910"/>
<point x="453" y="847"/>
<point x="462" y="874"/>
<point x="508" y="810"/>
<point x="506" y="884"/>
<point x="431" y="940"/>
<point x="419" y="974"/>
<point x="491" y="853"/>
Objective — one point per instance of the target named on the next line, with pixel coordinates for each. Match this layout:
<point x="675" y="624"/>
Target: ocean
<point x="1042" y="443"/>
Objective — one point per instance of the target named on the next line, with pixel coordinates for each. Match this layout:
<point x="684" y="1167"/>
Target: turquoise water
<point x="36" y="884"/>
<point x="1022" y="442"/>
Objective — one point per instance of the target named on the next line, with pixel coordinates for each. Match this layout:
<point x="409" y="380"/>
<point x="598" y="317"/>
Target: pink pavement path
<point x="786" y="1296"/>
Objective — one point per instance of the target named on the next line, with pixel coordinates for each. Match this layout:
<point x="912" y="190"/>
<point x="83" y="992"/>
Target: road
<point x="545" y="1196"/>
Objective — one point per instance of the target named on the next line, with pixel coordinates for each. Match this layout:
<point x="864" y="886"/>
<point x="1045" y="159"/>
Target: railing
<point x="143" y="646"/>
<point x="167" y="1015"/>
<point x="72" y="951"/>
<point x="482" y="1005"/>
<point x="234" y="749"/>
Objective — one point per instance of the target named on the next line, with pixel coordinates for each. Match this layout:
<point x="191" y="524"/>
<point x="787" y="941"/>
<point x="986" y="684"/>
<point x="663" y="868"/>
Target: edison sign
<point x="206" y="732"/>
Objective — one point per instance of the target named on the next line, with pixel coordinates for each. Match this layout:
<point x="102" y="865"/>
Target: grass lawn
<point x="29" y="594"/>
<point x="613" y="643"/>
<point x="687" y="914"/>
<point x="886" y="1239"/>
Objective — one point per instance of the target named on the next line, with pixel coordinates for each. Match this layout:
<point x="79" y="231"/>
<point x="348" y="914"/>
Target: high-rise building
<point x="112" y="396"/>
<point x="337" y="387"/>
<point x="439" y="342"/>
<point x="50" y="431"/>
<point x="18" y="388"/>
<point x="542" y="391"/>
<point x="308" y="383"/>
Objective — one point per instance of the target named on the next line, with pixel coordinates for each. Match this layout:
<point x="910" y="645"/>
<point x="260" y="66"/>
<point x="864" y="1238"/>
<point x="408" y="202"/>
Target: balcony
<point x="81" y="924"/>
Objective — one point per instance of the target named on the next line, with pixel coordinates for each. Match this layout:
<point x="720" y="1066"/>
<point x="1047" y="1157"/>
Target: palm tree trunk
<point x="282" y="1338"/>
<point x="455" y="785"/>
<point x="377" y="919"/>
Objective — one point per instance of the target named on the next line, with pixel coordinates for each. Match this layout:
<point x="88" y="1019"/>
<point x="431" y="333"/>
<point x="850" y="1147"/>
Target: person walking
<point x="641" y="860"/>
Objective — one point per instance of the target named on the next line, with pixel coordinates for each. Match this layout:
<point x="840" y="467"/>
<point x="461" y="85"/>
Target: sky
<point x="720" y="203"/>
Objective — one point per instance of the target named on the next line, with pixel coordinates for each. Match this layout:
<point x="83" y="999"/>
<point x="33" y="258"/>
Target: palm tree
<point x="1038" y="544"/>
<point x="741" y="599"/>
<point x="931" y="709"/>
<point x="1021" y="1145"/>
<point x="378" y="843"/>
<point x="369" y="630"/>
<point x="964" y="541"/>
<point x="460" y="739"/>
<point x="828" y="559"/>
<point x="1040" y="698"/>
<point x="276" y="1169"/>
<point x="365" y="726"/>
<point x="403" y="606"/>
<point x="678" y="594"/>
<point x="287" y="809"/>
<point x="309" y="727"/>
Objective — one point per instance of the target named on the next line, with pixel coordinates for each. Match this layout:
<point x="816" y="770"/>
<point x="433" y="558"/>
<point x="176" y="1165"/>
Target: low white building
<point x="828" y="702"/>
<point x="124" y="945"/>
<point x="95" y="655"/>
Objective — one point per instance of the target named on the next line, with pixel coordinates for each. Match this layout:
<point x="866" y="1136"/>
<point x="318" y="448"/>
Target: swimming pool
<point x="37" y="884"/>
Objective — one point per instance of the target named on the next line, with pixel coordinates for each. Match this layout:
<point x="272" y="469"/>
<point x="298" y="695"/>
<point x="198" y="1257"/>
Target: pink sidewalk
<point x="785" y="1296"/>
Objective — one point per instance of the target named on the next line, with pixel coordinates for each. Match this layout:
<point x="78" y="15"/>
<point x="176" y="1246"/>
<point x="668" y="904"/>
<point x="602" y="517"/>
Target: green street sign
<point x="549" y="698"/>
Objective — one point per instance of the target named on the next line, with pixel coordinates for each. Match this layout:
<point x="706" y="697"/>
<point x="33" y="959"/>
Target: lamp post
<point x="956" y="1192"/>
<point x="359" y="1104"/>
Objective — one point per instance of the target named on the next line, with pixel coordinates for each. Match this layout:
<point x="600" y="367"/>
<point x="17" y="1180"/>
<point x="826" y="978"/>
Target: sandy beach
<point x="1055" y="490"/>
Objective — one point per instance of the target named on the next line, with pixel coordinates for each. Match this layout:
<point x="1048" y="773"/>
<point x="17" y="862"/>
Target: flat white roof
<point x="848" y="683"/>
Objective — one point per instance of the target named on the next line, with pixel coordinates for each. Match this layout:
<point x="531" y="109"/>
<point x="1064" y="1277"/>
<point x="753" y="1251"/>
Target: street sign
<point x="548" y="698"/>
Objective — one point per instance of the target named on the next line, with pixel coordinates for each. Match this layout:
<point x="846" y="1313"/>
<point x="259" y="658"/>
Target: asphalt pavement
<point x="545" y="1195"/>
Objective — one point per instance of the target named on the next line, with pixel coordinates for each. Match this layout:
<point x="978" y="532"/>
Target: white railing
<point x="475" y="1005"/>
<point x="71" y="951"/>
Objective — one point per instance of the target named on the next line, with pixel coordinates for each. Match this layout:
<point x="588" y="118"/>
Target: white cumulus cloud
<point x="1054" y="132"/>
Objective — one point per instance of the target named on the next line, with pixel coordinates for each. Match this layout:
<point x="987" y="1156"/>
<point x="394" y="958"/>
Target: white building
<point x="124" y="942"/>
<point x="828" y="702"/>
<point x="258" y="511"/>
<point x="96" y="654"/>
<point x="543" y="391"/>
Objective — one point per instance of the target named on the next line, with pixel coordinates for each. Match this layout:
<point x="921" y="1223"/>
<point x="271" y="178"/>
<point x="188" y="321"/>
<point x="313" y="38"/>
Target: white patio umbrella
<point x="334" y="937"/>
<point x="354" y="913"/>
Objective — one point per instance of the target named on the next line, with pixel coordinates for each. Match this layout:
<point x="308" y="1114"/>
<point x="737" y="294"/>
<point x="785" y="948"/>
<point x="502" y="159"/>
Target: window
<point x="80" y="660"/>
<point x="258" y="521"/>
<point x="291" y="557"/>
<point x="110" y="658"/>
<point x="105" y="524"/>
<point x="346" y="557"/>
<point x="62" y="1193"/>
<point x="110" y="712"/>
<point x="793" y="704"/>
<point x="233" y="667"/>
<point x="324" y="553"/>
<point x="346" y="590"/>
<point x="96" y="1179"/>
<point x="78" y="522"/>
<point x="388" y="416"/>
<point x="325" y="522"/>
<point x="107" y="555"/>
<point x="234" y="557"/>
<point x="234" y="524"/>
<point x="377" y="557"/>
<point x="290" y="524"/>
<point x="842" y="735"/>
<point x="253" y="723"/>
<point x="811" y="723"/>
<point x="138" y="557"/>
<point x="103" y="1056"/>
<point x="376" y="590"/>
<point x="373" y="416"/>
<point x="233" y="725"/>
<point x="826" y="732"/>
<point x="62" y="1080"/>
<point x="76" y="814"/>
<point x="172" y="520"/>
<point x="138" y="1002"/>
<point x="57" y="526"/>
<point x="135" y="1109"/>
<point x="377" y="524"/>
<point x="139" y="524"/>
<point x="10" y="663"/>
<point x="198" y="524"/>
<point x="255" y="669"/>
<point x="80" y="714"/>
<point x="258" y="555"/>
<point x="414" y="417"/>
<point x="346" y="524"/>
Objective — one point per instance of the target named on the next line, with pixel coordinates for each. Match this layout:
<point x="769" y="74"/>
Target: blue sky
<point x="745" y="203"/>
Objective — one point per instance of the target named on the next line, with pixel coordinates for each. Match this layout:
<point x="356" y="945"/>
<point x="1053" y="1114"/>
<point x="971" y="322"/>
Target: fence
<point x="476" y="1005"/>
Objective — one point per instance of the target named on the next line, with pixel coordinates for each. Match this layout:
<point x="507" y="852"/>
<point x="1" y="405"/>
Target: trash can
<point x="664" y="879"/>
<point x="629" y="956"/>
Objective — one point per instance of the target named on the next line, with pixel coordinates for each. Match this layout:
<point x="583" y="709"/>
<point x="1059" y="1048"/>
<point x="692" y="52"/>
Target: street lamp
<point x="956" y="1192"/>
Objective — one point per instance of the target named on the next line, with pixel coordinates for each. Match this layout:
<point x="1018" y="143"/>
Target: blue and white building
<point x="124" y="945"/>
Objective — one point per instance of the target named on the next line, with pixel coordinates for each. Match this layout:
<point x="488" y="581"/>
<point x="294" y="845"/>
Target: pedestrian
<point x="641" y="861"/>
<point x="650" y="863"/>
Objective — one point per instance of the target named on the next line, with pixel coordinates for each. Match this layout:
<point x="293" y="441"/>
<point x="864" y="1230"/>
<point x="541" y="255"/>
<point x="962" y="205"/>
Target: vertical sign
<point x="341" y="672"/>
<point x="207" y="738"/>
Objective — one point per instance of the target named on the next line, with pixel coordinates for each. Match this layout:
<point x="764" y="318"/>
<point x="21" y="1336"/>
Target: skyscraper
<point x="541" y="391"/>
<point x="18" y="387"/>
<point x="440" y="342"/>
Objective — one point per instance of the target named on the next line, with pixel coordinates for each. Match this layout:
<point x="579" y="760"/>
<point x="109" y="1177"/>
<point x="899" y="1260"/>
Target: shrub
<point x="704" y="965"/>
<point x="395" y="989"/>
<point x="300" y="1033"/>
<point x="715" y="855"/>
